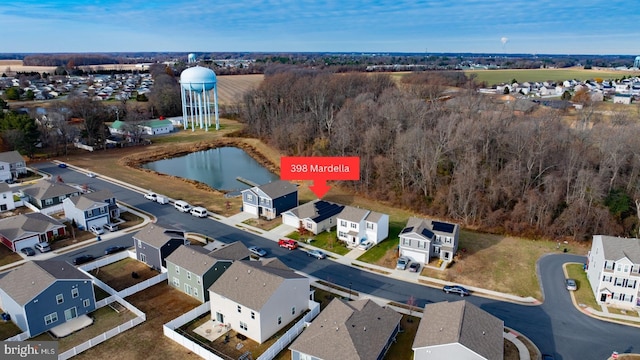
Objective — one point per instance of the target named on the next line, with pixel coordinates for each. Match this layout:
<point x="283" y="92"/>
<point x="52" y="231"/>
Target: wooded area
<point x="468" y="159"/>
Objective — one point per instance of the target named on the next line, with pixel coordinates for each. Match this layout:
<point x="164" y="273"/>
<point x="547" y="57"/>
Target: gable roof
<point x="464" y="323"/>
<point x="45" y="189"/>
<point x="11" y="157"/>
<point x="20" y="226"/>
<point x="157" y="123"/>
<point x="156" y="236"/>
<point x="192" y="258"/>
<point x="428" y="228"/>
<point x="99" y="196"/>
<point x="353" y="214"/>
<point x="356" y="330"/>
<point x="317" y="210"/>
<point x="616" y="248"/>
<point x="234" y="251"/>
<point x="253" y="283"/>
<point x="278" y="188"/>
<point x="26" y="282"/>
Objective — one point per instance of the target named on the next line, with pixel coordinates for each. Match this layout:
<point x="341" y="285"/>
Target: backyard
<point x="118" y="275"/>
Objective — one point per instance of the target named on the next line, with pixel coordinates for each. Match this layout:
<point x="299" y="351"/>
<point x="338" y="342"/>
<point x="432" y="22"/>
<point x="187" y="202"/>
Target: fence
<point x="105" y="261"/>
<point x="20" y="337"/>
<point x="288" y="337"/>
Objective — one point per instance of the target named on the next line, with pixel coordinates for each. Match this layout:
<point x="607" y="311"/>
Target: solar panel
<point x="407" y="229"/>
<point x="427" y="233"/>
<point x="443" y="227"/>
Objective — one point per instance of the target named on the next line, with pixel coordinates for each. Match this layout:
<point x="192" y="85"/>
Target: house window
<point x="198" y="279"/>
<point x="309" y="225"/>
<point x="189" y="275"/>
<point x="279" y="320"/>
<point x="626" y="268"/>
<point x="406" y="241"/>
<point x="253" y="315"/>
<point x="243" y="325"/>
<point x="341" y="234"/>
<point x="74" y="293"/>
<point x="59" y="299"/>
<point x="343" y="223"/>
<point x="139" y="243"/>
<point x="86" y="302"/>
<point x="61" y="198"/>
<point x="239" y="309"/>
<point x="48" y="201"/>
<point x="354" y="225"/>
<point x="143" y="258"/>
<point x="51" y="318"/>
<point x="177" y="269"/>
<point x="293" y="310"/>
<point x="619" y="267"/>
<point x="619" y="282"/>
<point x="187" y="288"/>
<point x="195" y="291"/>
<point x="176" y="282"/>
<point x="369" y="225"/>
<point x="249" y="197"/>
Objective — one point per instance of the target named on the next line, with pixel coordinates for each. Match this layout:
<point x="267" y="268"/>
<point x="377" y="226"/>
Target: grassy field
<point x="493" y="77"/>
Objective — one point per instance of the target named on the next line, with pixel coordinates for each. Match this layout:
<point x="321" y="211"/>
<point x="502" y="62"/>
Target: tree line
<point x="459" y="155"/>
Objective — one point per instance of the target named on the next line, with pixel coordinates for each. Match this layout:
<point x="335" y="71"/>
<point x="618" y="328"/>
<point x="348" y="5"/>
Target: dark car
<point x="414" y="267"/>
<point x="114" y="249"/>
<point x="83" y="259"/>
<point x="456" y="289"/>
<point x="62" y="165"/>
<point x="28" y="251"/>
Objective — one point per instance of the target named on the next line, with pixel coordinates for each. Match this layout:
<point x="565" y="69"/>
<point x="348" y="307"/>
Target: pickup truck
<point x="289" y="244"/>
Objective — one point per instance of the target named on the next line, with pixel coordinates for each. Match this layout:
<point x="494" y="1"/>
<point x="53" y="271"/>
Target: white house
<point x="156" y="127"/>
<point x="96" y="208"/>
<point x="12" y="165"/>
<point x="423" y="239"/>
<point x="6" y="198"/>
<point x="613" y="270"/>
<point x="316" y="216"/>
<point x="258" y="298"/>
<point x="357" y="225"/>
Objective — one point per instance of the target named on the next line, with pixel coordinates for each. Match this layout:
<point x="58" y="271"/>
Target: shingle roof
<point x="616" y="248"/>
<point x="45" y="189"/>
<point x="83" y="203"/>
<point x="99" y="196"/>
<point x="11" y="157"/>
<point x="348" y="330"/>
<point x="192" y="258"/>
<point x="278" y="188"/>
<point x="317" y="210"/>
<point x="19" y="226"/>
<point x="26" y="282"/>
<point x="234" y="251"/>
<point x="4" y="187"/>
<point x="155" y="235"/>
<point x="427" y="227"/>
<point x="464" y="323"/>
<point x="353" y="214"/>
<point x="253" y="283"/>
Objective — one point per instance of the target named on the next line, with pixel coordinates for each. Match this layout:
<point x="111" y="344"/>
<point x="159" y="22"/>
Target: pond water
<point x="218" y="168"/>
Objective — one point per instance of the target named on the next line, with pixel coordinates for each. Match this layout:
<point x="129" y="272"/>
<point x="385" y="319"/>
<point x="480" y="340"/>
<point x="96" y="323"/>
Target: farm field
<point x="493" y="77"/>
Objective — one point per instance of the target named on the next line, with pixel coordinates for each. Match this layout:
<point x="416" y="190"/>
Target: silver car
<point x="402" y="263"/>
<point x="571" y="285"/>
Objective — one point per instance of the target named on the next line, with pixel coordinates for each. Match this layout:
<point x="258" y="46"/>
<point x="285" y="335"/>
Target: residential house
<point x="613" y="270"/>
<point x="45" y="193"/>
<point x="354" y="330"/>
<point x="12" y="165"/>
<point x="156" y="127"/>
<point x="154" y="243"/>
<point x="26" y="230"/>
<point x="315" y="216"/>
<point x="41" y="295"/>
<point x="458" y="330"/>
<point x="258" y="298"/>
<point x="6" y="197"/>
<point x="356" y="225"/>
<point x="94" y="208"/>
<point x="270" y="200"/>
<point x="193" y="269"/>
<point x="423" y="239"/>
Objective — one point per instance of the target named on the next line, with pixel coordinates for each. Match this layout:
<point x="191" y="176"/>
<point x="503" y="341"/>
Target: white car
<point x="199" y="212"/>
<point x="151" y="196"/>
<point x="91" y="175"/>
<point x="43" y="247"/>
<point x="96" y="230"/>
<point x="365" y="245"/>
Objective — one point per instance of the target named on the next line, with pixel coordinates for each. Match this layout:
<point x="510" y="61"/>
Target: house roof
<point x="83" y="203"/>
<point x="157" y="123"/>
<point x="156" y="236"/>
<point x="26" y="282"/>
<point x="99" y="196"/>
<point x="464" y="323"/>
<point x="355" y="330"/>
<point x="278" y="188"/>
<point x="46" y="189"/>
<point x="192" y="258"/>
<point x="4" y="187"/>
<point x="427" y="228"/>
<point x="616" y="248"/>
<point x="234" y="251"/>
<point x="353" y="214"/>
<point x="118" y="124"/>
<point x="20" y="226"/>
<point x="317" y="210"/>
<point x="253" y="283"/>
<point x="11" y="157"/>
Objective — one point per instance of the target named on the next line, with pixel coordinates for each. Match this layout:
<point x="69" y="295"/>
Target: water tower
<point x="636" y="62"/>
<point x="197" y="84"/>
<point x="191" y="58"/>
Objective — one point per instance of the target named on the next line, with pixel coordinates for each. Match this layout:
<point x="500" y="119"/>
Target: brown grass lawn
<point x="118" y="274"/>
<point x="7" y="256"/>
<point x="401" y="349"/>
<point x="161" y="304"/>
<point x="8" y="329"/>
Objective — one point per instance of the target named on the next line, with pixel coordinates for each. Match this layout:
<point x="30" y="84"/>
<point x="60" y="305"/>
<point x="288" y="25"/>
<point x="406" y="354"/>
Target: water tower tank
<point x="191" y="58"/>
<point x="198" y="78"/>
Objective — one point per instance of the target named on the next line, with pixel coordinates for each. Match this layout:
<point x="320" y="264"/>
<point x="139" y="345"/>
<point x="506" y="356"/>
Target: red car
<point x="289" y="244"/>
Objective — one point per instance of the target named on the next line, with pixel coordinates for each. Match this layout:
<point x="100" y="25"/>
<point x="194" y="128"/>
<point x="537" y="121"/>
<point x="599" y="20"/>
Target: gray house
<point x="154" y="243"/>
<point x="95" y="208"/>
<point x="348" y="330"/>
<point x="45" y="193"/>
<point x="12" y="165"/>
<point x="193" y="269"/>
<point x="423" y="239"/>
<point x="458" y="330"/>
<point x="270" y="200"/>
<point x="316" y="216"/>
<point x="41" y="295"/>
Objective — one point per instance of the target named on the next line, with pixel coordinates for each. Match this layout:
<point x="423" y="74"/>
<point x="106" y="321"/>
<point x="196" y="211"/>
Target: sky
<point x="475" y="26"/>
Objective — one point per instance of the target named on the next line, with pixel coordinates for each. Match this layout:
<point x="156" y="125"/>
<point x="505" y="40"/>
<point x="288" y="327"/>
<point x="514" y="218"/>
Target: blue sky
<point x="494" y="26"/>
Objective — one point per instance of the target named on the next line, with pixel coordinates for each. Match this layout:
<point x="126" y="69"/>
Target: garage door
<point x="291" y="220"/>
<point x="251" y="209"/>
<point x="30" y="242"/>
<point x="414" y="255"/>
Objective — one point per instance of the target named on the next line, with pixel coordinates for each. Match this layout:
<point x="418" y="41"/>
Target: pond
<point x="219" y="168"/>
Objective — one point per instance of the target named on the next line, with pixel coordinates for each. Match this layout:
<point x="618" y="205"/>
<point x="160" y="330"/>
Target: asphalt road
<point x="556" y="326"/>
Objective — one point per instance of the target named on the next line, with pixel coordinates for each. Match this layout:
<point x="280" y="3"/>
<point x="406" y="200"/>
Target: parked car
<point x="10" y="181"/>
<point x="151" y="196"/>
<point x="114" y="249"/>
<point x="96" y="229"/>
<point x="83" y="259"/>
<point x="91" y="175"/>
<point x="182" y="206"/>
<point x="28" y="251"/>
<point x="547" y="357"/>
<point x="110" y="227"/>
<point x="199" y="211"/>
<point x="318" y="254"/>
<point x="43" y="247"/>
<point x="289" y="244"/>
<point x="402" y="263"/>
<point x="414" y="267"/>
<point x="456" y="289"/>
<point x="365" y="245"/>
<point x="258" y="251"/>
<point x="62" y="165"/>
<point x="571" y="285"/>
